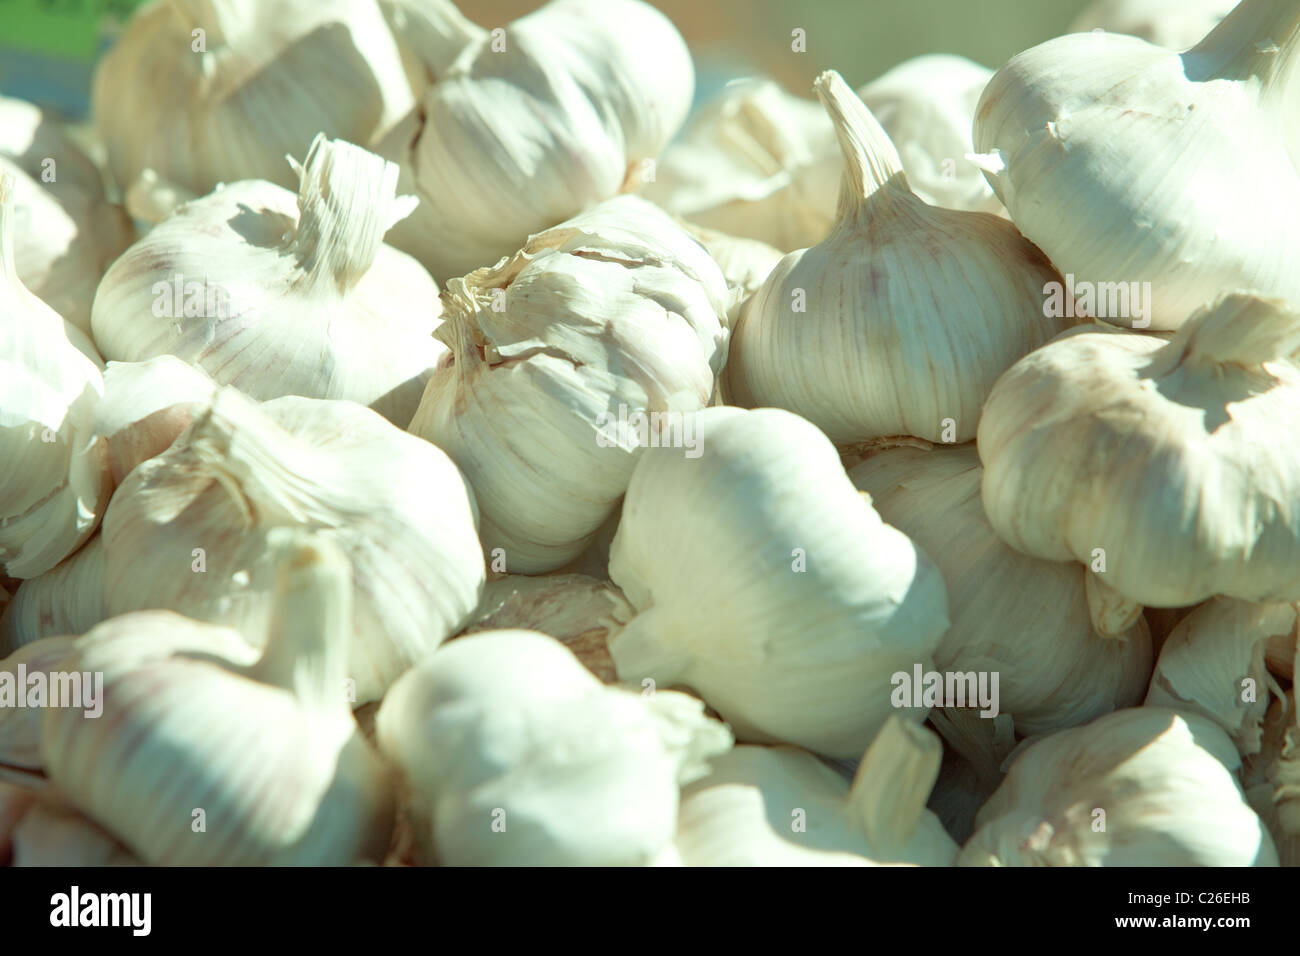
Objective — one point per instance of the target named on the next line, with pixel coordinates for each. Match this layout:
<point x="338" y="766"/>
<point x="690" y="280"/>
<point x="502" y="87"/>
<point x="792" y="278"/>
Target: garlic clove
<point x="67" y="599"/>
<point x="283" y="295"/>
<point x="901" y="320"/>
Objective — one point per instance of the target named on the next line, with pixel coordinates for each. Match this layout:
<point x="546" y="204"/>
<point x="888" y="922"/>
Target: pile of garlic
<point x="473" y="460"/>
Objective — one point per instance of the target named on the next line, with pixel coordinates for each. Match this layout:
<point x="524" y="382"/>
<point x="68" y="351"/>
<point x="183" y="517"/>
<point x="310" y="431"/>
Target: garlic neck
<point x="893" y="783"/>
<point x="347" y="200"/>
<point x="436" y="30"/>
<point x="873" y="171"/>
<point x="311" y="620"/>
<point x="271" y="475"/>
<point x="1240" y="329"/>
<point x="459" y="330"/>
<point x="1259" y="38"/>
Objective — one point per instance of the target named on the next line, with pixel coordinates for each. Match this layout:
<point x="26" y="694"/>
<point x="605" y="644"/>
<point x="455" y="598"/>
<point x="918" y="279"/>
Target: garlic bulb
<point x="67" y="599"/>
<point x="578" y="611"/>
<point x="1175" y="24"/>
<point x="1025" y="620"/>
<point x="67" y="233"/>
<point x="780" y="806"/>
<point x="516" y="754"/>
<point x="1139" y="787"/>
<point x="1164" y="465"/>
<point x="899" y="322"/>
<point x="20" y="717"/>
<point x="188" y="529"/>
<point x="763" y="580"/>
<point x="745" y="264"/>
<point x="279" y="295"/>
<point x="754" y="162"/>
<point x="531" y="124"/>
<point x="926" y="106"/>
<point x="49" y="833"/>
<point x="1213" y="665"/>
<point x="601" y="336"/>
<point x="1131" y="164"/>
<point x="146" y="406"/>
<point x="210" y="754"/>
<point x="231" y="86"/>
<point x="55" y="481"/>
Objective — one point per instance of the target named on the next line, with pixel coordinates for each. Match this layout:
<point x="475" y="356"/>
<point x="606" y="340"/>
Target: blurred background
<point x="48" y="47"/>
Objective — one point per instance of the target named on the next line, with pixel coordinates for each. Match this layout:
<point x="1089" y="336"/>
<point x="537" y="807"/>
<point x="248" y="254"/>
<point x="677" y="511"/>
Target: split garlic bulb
<point x="1024" y="619"/>
<point x="1166" y="465"/>
<point x="1129" y="163"/>
<point x="560" y="353"/>
<point x="580" y="612"/>
<point x="67" y="232"/>
<point x="146" y="406"/>
<point x="67" y="599"/>
<point x="926" y="106"/>
<point x="899" y="322"/>
<point x="780" y="806"/>
<point x="283" y="295"/>
<point x="754" y="162"/>
<point x="764" y="581"/>
<point x="1140" y="787"/>
<point x="55" y="481"/>
<point x="209" y="754"/>
<point x="531" y="124"/>
<point x="1175" y="24"/>
<point x="1213" y="664"/>
<point x="188" y="530"/>
<point x="211" y="91"/>
<point x="515" y="754"/>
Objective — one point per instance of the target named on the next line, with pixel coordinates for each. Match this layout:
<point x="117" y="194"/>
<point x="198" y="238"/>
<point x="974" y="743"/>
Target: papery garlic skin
<point x="900" y="321"/>
<point x="258" y="80"/>
<point x="55" y="481"/>
<point x="615" y="313"/>
<point x="1213" y="665"/>
<point x="1025" y="619"/>
<point x="283" y="295"/>
<point x="1126" y="162"/>
<point x="532" y="124"/>
<point x="188" y="529"/>
<point x="580" y="612"/>
<point x="765" y="582"/>
<point x="67" y="599"/>
<point x="745" y="263"/>
<point x="1165" y="780"/>
<point x="1174" y="24"/>
<point x="1165" y="462"/>
<point x="194" y="719"/>
<point x="67" y="232"/>
<point x="744" y="813"/>
<point x="926" y="106"/>
<point x="516" y="754"/>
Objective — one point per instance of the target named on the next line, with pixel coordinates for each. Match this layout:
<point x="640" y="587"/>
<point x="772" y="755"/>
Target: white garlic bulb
<point x="1140" y="787"/>
<point x="899" y="322"/>
<point x="532" y="123"/>
<point x="1162" y="464"/>
<point x="754" y="162"/>
<point x="765" y="582"/>
<point x="234" y="85"/>
<point x="1213" y="664"/>
<point x="262" y="750"/>
<point x="283" y="295"/>
<point x="55" y="481"/>
<point x="146" y="405"/>
<point x="1025" y="620"/>
<point x="601" y="336"/>
<point x="780" y="806"/>
<point x="1131" y="164"/>
<point x="67" y="599"/>
<point x="188" y="529"/>
<point x="926" y="106"/>
<point x="1175" y="24"/>
<point x="67" y="232"/>
<point x="580" y="612"/>
<point x="515" y="754"/>
<point x="20" y="712"/>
